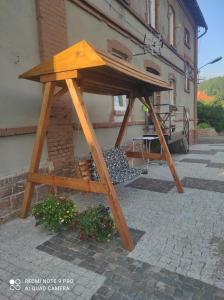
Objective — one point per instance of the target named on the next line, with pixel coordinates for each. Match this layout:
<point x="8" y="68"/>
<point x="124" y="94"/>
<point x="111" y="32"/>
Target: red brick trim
<point x="111" y="124"/>
<point x="117" y="45"/>
<point x="151" y="64"/>
<point x="4" y="132"/>
<point x="52" y="27"/>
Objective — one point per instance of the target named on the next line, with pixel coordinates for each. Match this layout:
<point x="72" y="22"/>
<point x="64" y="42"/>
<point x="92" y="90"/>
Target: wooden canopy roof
<point x="97" y="72"/>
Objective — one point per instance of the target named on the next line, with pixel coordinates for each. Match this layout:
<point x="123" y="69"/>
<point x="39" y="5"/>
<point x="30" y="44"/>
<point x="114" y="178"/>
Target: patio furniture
<point x="82" y="68"/>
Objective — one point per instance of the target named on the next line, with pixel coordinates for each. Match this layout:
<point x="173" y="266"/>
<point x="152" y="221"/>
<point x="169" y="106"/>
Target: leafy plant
<point x="95" y="223"/>
<point x="212" y="114"/>
<point x="55" y="213"/>
<point x="203" y="126"/>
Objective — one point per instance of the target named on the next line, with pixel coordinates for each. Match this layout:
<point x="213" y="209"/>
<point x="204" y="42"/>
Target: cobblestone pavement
<point x="127" y="278"/>
<point x="179" y="256"/>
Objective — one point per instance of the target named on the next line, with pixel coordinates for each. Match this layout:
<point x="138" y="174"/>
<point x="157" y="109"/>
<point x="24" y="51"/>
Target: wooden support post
<point x="125" y="121"/>
<point x="100" y="163"/>
<point x="163" y="144"/>
<point x="39" y="142"/>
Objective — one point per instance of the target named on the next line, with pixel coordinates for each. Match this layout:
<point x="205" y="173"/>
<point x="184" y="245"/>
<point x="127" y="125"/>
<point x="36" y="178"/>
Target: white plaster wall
<point x="19" y="99"/>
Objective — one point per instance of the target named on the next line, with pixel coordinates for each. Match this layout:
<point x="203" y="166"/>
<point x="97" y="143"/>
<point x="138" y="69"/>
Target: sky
<point x="211" y="45"/>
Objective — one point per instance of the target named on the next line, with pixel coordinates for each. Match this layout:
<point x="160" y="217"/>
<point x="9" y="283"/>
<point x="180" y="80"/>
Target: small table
<point x="147" y="139"/>
<point x="147" y="144"/>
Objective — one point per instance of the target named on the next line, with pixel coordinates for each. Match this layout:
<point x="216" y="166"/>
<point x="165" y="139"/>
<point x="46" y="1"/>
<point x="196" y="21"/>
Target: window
<point x="172" y="93"/>
<point x="187" y="76"/>
<point x="120" y="103"/>
<point x="171" y="25"/>
<point x="119" y="54"/>
<point x="152" y="70"/>
<point x="187" y="37"/>
<point x="125" y="1"/>
<point x="151" y="12"/>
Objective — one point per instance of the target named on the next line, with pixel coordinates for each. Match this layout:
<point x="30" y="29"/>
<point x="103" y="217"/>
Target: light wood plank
<point x="59" y="76"/>
<point x="67" y="182"/>
<point x="100" y="163"/>
<point x="39" y="142"/>
<point x="145" y="155"/>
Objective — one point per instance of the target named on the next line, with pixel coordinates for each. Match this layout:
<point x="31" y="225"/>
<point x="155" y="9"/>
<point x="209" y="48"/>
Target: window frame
<point x="187" y="33"/>
<point x="187" y="78"/>
<point x="171" y="35"/>
<point x="173" y="84"/>
<point x="120" y="109"/>
<point x="151" y="13"/>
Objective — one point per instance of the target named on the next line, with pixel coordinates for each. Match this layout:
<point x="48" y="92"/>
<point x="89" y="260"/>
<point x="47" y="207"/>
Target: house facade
<point x="159" y="36"/>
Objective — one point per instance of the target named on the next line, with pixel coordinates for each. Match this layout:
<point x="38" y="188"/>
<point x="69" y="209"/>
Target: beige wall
<point x="82" y="25"/>
<point x="19" y="99"/>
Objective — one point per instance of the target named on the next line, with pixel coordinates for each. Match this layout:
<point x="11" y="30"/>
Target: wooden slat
<point x="97" y="154"/>
<point x="125" y="121"/>
<point x="67" y="182"/>
<point x="145" y="155"/>
<point x="83" y="56"/>
<point x="59" y="76"/>
<point x="46" y="104"/>
<point x="163" y="143"/>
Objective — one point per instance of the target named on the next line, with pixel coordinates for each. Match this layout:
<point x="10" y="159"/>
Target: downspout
<point x="196" y="82"/>
<point x="201" y="35"/>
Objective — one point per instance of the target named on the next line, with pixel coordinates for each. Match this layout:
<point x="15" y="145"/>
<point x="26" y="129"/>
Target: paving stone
<point x="154" y="185"/>
<point x="215" y="165"/>
<point x="195" y="161"/>
<point x="130" y="278"/>
<point x="204" y="152"/>
<point x="203" y="184"/>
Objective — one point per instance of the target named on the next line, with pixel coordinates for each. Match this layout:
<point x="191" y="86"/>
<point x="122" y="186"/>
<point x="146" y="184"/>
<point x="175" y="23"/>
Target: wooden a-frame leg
<point x="125" y="121"/>
<point x="39" y="142"/>
<point x="163" y="144"/>
<point x="100" y="163"/>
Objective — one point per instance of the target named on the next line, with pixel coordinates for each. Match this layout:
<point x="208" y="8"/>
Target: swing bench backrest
<point x="117" y="165"/>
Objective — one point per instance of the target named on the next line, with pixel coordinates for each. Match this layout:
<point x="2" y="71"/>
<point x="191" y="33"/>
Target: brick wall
<point x="52" y="33"/>
<point x="12" y="193"/>
<point x="52" y="39"/>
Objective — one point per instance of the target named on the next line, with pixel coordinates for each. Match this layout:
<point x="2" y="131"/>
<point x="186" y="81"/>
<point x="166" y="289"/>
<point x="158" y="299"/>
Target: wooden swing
<point x="82" y="68"/>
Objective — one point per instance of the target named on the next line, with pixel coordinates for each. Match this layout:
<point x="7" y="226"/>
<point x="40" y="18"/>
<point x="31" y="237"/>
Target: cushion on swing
<point x="117" y="165"/>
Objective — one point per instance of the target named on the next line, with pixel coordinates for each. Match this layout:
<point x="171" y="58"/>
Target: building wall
<point x="36" y="31"/>
<point x="19" y="99"/>
<point x="98" y="30"/>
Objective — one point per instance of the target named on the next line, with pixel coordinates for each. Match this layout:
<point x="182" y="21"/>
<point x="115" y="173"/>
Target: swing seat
<point x="118" y="167"/>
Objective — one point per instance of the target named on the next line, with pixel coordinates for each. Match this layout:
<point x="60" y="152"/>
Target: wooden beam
<point x="145" y="155"/>
<point x="163" y="144"/>
<point x="125" y="121"/>
<point x="59" y="76"/>
<point x="67" y="182"/>
<point x="97" y="154"/>
<point x="46" y="104"/>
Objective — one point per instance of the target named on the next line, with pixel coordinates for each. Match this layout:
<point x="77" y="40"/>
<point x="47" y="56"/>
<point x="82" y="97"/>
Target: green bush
<point x="203" y="126"/>
<point x="212" y="114"/>
<point x="55" y="213"/>
<point x="95" y="223"/>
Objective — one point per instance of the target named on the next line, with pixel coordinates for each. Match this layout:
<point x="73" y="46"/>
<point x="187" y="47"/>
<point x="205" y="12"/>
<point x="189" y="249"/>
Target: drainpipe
<point x="196" y="80"/>
<point x="201" y="35"/>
